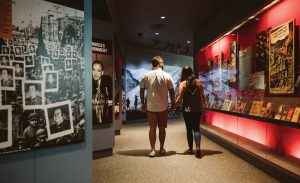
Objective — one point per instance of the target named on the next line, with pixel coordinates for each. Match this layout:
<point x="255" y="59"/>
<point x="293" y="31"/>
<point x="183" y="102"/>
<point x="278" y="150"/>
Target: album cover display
<point x="42" y="93"/>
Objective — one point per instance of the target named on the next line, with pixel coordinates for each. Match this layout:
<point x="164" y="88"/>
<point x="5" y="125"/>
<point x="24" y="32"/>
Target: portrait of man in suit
<point x="102" y="95"/>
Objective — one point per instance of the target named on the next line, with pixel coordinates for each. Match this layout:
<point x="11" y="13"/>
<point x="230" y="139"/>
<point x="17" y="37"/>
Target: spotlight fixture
<point x="188" y="42"/>
<point x="162" y="17"/>
<point x="178" y="49"/>
<point x="156" y="33"/>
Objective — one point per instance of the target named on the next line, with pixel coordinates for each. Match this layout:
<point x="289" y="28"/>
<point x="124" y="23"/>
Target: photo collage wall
<point x="41" y="73"/>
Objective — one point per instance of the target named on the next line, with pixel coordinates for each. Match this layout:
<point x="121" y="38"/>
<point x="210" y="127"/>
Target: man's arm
<point x="142" y="96"/>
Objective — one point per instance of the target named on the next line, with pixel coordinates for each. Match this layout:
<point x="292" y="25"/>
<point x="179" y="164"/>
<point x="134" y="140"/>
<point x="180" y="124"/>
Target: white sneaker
<point x="152" y="153"/>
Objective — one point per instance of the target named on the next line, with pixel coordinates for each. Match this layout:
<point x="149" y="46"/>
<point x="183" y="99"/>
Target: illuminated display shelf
<point x="258" y="118"/>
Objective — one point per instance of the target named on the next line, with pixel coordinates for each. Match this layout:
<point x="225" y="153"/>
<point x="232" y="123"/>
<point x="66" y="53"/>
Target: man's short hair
<point x="98" y="62"/>
<point x="156" y="60"/>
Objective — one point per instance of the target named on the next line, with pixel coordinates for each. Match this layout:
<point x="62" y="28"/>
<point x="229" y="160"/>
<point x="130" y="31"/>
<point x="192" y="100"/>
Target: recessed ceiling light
<point x="188" y="42"/>
<point x="162" y="17"/>
<point x="156" y="33"/>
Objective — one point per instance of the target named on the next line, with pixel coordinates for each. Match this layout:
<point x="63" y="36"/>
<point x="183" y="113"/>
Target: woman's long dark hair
<point x="187" y="74"/>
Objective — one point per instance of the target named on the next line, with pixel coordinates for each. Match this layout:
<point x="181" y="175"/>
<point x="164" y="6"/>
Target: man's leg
<point x="162" y="124"/>
<point x="152" y="118"/>
<point x="152" y="137"/>
<point x="162" y="137"/>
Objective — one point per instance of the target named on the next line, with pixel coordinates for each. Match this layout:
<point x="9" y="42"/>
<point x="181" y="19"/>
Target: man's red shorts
<point x="157" y="118"/>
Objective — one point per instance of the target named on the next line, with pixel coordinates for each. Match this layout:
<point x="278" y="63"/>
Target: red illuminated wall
<point x="280" y="138"/>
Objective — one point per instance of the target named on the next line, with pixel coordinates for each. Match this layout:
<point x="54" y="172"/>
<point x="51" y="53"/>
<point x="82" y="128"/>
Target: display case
<point x="251" y="81"/>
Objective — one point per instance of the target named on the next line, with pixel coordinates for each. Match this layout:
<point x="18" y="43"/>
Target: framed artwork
<point x="51" y="81"/>
<point x="59" y="119"/>
<point x="7" y="78"/>
<point x="19" y="69"/>
<point x="281" y="59"/>
<point x="33" y="97"/>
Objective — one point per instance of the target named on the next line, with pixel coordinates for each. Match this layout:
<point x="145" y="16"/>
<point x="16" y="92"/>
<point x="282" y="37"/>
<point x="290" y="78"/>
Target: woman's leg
<point x="189" y="128"/>
<point x="197" y="135"/>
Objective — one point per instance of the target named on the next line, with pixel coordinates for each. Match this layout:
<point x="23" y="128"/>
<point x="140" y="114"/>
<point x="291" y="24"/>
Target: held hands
<point x="143" y="108"/>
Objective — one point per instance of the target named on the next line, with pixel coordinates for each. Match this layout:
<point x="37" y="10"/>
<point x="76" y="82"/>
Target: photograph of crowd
<point x="41" y="73"/>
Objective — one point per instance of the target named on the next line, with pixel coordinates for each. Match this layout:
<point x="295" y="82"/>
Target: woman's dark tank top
<point x="191" y="98"/>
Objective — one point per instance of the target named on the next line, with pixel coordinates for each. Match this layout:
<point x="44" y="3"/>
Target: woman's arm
<point x="182" y="88"/>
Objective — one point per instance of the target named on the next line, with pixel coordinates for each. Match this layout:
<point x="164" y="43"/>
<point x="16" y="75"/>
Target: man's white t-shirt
<point x="157" y="83"/>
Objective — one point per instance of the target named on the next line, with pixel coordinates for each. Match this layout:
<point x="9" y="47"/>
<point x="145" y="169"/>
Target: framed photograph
<point x="7" y="78"/>
<point x="74" y="54"/>
<point x="55" y="54"/>
<point x="47" y="67"/>
<point x="282" y="52"/>
<point x="81" y="62"/>
<point x="69" y="54"/>
<point x="31" y="48"/>
<point x="5" y="126"/>
<point x="19" y="70"/>
<point x="59" y="119"/>
<point x="51" y="81"/>
<point x="5" y="49"/>
<point x="5" y="60"/>
<point x="18" y="50"/>
<point x="68" y="64"/>
<point x="29" y="61"/>
<point x="61" y="51"/>
<point x="33" y="94"/>
<point x="45" y="60"/>
<point x="25" y="49"/>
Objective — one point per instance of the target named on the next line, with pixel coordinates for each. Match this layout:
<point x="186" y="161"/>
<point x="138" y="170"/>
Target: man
<point x="51" y="82"/>
<point x="18" y="71"/>
<point x="34" y="98"/>
<point x="102" y="95"/>
<point x="5" y="60"/>
<point x="60" y="123"/>
<point x="6" y="79"/>
<point x="30" y="132"/>
<point x="157" y="83"/>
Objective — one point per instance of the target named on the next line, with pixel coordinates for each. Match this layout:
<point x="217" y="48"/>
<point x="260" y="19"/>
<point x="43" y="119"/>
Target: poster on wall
<point x="232" y="62"/>
<point x="281" y="60"/>
<point x="42" y="93"/>
<point x="262" y="50"/>
<point x="102" y="71"/>
<point x="6" y="19"/>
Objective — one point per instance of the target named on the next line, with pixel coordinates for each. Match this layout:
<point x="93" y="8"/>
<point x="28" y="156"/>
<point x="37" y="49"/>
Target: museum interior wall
<point x="251" y="80"/>
<point x="44" y="134"/>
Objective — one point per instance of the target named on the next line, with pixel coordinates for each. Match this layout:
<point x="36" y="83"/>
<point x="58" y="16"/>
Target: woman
<point x="191" y="92"/>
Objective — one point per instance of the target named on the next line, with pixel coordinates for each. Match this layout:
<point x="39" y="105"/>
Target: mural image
<point x="42" y="94"/>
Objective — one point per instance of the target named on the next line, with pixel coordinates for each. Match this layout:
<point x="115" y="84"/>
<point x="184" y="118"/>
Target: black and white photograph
<point x="68" y="64"/>
<point x="5" y="126"/>
<point x="74" y="54"/>
<point x="102" y="85"/>
<point x="4" y="60"/>
<point x="29" y="60"/>
<point x="45" y="60"/>
<point x="5" y="49"/>
<point x="19" y="69"/>
<point x="59" y="119"/>
<point x="81" y="63"/>
<point x="30" y="96"/>
<point x="31" y="48"/>
<point x="18" y="50"/>
<point x="33" y="95"/>
<point x="7" y="78"/>
<point x="47" y="67"/>
<point x="51" y="81"/>
<point x="55" y="54"/>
